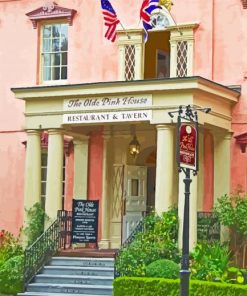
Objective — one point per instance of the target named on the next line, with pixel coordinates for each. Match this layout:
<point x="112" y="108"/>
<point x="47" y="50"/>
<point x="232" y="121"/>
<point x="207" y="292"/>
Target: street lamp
<point x="187" y="161"/>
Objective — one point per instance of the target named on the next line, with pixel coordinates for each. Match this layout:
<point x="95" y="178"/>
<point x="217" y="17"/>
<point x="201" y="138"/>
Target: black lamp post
<point x="187" y="161"/>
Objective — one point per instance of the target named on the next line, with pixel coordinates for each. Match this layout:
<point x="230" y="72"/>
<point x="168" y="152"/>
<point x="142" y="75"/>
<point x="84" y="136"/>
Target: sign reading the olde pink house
<point x="187" y="146"/>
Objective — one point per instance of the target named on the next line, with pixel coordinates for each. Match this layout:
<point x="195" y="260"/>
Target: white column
<point x="32" y="193"/>
<point x="105" y="240"/>
<point x="80" y="168"/>
<point x="173" y="58"/>
<point x="164" y="168"/>
<point x="54" y="174"/>
<point x="222" y="171"/>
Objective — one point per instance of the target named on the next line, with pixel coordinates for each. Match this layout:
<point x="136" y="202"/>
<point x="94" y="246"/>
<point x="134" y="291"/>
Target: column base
<point x="104" y="244"/>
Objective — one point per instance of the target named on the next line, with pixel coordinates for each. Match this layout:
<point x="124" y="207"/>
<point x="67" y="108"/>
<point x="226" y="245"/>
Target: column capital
<point x="164" y="126"/>
<point x="81" y="141"/>
<point x="55" y="131"/>
<point x="33" y="132"/>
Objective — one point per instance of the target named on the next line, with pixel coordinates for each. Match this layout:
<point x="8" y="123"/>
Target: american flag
<point x="111" y="20"/>
<point x="145" y="12"/>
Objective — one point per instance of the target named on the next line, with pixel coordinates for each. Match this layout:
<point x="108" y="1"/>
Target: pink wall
<point x="95" y="166"/>
<point x="220" y="54"/>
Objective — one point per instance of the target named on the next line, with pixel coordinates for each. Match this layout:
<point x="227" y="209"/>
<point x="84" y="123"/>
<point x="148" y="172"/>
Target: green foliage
<point x="11" y="275"/>
<point x="158" y="241"/>
<point x="125" y="286"/>
<point x="36" y="220"/>
<point x="209" y="261"/>
<point x="10" y="246"/>
<point x="234" y="275"/>
<point x="232" y="212"/>
<point x="163" y="268"/>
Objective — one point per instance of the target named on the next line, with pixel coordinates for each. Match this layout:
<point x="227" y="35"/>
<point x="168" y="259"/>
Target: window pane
<point x="134" y="187"/>
<point x="64" y="30"/>
<point x="56" y="30"/>
<point x="64" y="44"/>
<point x="64" y="73"/>
<point x="43" y="188"/>
<point x="64" y="58"/>
<point x="56" y="59"/>
<point x="43" y="159"/>
<point x="47" y="73"/>
<point x="46" y="45"/>
<point x="55" y="73"/>
<point x="47" y="59"/>
<point x="43" y="174"/>
<point x="47" y="31"/>
<point x="55" y="45"/>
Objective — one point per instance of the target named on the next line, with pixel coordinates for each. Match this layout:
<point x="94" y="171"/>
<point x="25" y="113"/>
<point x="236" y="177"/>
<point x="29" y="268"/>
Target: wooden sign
<point x="85" y="221"/>
<point x="187" y="154"/>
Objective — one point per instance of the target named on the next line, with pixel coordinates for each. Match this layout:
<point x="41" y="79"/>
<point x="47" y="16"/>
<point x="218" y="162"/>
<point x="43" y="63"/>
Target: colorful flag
<point x="111" y="20"/>
<point x="145" y="12"/>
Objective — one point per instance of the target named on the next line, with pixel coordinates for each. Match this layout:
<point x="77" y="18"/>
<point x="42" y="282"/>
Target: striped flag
<point x="111" y="20"/>
<point x="145" y="12"/>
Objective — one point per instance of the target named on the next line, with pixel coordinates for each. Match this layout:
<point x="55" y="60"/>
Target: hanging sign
<point x="85" y="221"/>
<point x="187" y="154"/>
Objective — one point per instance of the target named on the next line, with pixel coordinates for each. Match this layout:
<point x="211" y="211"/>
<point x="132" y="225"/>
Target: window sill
<point x="54" y="82"/>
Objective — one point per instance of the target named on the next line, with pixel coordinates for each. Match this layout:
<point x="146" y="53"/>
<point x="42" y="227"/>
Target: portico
<point x="99" y="118"/>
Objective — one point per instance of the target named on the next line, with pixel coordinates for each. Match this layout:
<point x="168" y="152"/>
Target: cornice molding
<point x="51" y="11"/>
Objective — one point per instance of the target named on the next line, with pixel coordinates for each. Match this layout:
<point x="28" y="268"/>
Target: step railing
<point x="139" y="228"/>
<point x="57" y="236"/>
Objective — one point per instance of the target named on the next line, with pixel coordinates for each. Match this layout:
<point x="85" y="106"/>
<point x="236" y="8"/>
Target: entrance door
<point x="135" y="197"/>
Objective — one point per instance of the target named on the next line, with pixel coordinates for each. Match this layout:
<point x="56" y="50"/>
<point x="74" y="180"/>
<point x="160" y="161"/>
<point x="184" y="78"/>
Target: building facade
<point x="72" y="102"/>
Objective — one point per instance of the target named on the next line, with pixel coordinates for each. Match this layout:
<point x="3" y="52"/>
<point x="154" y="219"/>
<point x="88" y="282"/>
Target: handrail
<point x="139" y="228"/>
<point x="36" y="255"/>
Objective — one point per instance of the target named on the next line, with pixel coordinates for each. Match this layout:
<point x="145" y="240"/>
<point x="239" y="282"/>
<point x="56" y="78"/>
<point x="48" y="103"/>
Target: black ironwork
<point x="186" y="114"/>
<point x="57" y="236"/>
<point x="208" y="227"/>
<point x="139" y="228"/>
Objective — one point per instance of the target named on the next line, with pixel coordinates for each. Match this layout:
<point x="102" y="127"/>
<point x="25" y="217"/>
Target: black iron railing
<point x="40" y="252"/>
<point x="57" y="236"/>
<point x="139" y="228"/>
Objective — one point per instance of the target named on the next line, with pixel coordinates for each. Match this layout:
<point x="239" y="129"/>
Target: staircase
<point x="71" y="276"/>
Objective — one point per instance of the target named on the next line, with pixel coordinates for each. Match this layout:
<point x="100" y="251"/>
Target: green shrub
<point x="36" y="221"/>
<point x="166" y="287"/>
<point x="157" y="241"/>
<point x="163" y="269"/>
<point x="11" y="275"/>
<point x="10" y="247"/>
<point x="209" y="261"/>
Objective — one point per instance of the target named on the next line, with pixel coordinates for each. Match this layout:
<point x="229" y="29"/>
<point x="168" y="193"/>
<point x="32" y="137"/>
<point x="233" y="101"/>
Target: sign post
<point x="187" y="161"/>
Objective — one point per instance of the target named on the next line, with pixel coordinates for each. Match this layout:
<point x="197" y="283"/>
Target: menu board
<point x="85" y="221"/>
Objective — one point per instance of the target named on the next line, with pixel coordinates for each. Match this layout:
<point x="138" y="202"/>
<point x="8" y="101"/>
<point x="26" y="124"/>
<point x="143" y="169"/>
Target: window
<point x="54" y="52"/>
<point x="163" y="64"/>
<point x="44" y="157"/>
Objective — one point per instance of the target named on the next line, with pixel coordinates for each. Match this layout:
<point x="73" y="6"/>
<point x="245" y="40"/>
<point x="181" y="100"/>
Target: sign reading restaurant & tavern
<point x="117" y="109"/>
<point x="85" y="221"/>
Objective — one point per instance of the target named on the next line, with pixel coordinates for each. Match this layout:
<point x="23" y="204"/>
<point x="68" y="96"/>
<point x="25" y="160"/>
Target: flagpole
<point x="124" y="30"/>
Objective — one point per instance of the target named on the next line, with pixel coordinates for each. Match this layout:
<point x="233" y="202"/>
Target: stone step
<point x="73" y="279"/>
<point x="78" y="270"/>
<point x="84" y="262"/>
<point x="70" y="288"/>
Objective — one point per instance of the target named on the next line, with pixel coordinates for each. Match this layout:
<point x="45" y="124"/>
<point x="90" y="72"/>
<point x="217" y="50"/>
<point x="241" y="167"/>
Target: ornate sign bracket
<point x="51" y="11"/>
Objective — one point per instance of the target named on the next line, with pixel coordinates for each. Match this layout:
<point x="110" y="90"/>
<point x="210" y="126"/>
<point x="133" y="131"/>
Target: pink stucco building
<point x="71" y="101"/>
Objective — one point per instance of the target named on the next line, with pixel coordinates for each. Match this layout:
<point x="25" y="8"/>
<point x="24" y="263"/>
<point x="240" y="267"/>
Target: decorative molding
<point x="244" y="2"/>
<point x="242" y="141"/>
<point x="51" y="11"/>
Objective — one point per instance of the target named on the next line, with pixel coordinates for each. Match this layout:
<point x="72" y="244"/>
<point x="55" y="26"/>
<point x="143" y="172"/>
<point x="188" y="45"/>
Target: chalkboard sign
<point x="85" y="221"/>
<point x="208" y="227"/>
